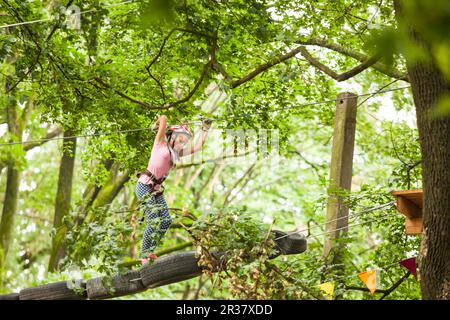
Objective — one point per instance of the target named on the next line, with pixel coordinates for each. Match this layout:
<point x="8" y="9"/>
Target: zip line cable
<point x="71" y="137"/>
<point x="370" y="94"/>
<point x="194" y="122"/>
<point x="383" y="87"/>
<point x="354" y="215"/>
<point x="72" y="14"/>
<point x="157" y="206"/>
<point x="384" y="216"/>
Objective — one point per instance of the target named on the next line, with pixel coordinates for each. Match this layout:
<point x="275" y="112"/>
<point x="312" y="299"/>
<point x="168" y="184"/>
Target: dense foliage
<point x="131" y="61"/>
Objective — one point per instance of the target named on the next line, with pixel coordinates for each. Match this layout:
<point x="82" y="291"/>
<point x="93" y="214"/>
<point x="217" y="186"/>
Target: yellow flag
<point x="328" y="288"/>
<point x="370" y="279"/>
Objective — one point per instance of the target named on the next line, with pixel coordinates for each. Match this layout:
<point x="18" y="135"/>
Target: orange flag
<point x="370" y="279"/>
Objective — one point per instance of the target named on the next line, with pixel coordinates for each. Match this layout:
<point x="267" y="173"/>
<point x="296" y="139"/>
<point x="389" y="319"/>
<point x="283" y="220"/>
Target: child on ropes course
<point x="169" y="146"/>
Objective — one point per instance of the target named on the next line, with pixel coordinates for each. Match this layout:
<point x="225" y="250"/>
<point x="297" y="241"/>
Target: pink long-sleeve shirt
<point x="159" y="163"/>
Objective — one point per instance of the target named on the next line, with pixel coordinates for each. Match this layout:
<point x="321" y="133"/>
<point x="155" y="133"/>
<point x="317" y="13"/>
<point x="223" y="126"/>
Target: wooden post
<point x="340" y="169"/>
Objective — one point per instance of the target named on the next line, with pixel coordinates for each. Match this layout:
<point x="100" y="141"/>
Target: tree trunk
<point x="428" y="86"/>
<point x="107" y="193"/>
<point x="63" y="196"/>
<point x="9" y="211"/>
<point x="12" y="180"/>
<point x="63" y="199"/>
<point x="111" y="189"/>
<point x="90" y="194"/>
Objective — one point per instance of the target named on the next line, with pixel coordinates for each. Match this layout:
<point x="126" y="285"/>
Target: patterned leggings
<point x="157" y="217"/>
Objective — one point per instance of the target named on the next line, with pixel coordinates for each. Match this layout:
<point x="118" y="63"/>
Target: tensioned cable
<point x="305" y="104"/>
<point x="340" y="218"/>
<point x="213" y="119"/>
<point x="158" y="206"/>
<point x="384" y="216"/>
<point x="383" y="87"/>
<point x="72" y="14"/>
<point x="71" y="137"/>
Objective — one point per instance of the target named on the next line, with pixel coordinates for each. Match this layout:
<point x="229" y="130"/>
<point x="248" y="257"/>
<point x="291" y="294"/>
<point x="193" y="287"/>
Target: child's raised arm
<point x="205" y="128"/>
<point x="161" y="124"/>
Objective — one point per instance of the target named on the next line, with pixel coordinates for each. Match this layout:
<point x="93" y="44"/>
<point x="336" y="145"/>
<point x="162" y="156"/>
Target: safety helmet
<point x="171" y="134"/>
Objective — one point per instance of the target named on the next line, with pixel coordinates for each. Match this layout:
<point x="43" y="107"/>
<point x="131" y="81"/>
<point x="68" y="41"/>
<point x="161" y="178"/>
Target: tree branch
<point x="155" y="59"/>
<point x="33" y="36"/>
<point x="56" y="26"/>
<point x="389" y="71"/>
<point x="50" y="135"/>
<point x="167" y="38"/>
<point x="365" y="63"/>
<point x="235" y="83"/>
<point x="312" y="165"/>
<point x="31" y="145"/>
<point x="295" y="281"/>
<point x="203" y="74"/>
<point x="399" y="282"/>
<point x="236" y="184"/>
<point x="203" y="186"/>
<point x="123" y="95"/>
<point x="363" y="289"/>
<point x="343" y="76"/>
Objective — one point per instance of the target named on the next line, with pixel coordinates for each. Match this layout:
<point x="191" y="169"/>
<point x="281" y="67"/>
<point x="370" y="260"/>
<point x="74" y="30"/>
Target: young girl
<point x="167" y="149"/>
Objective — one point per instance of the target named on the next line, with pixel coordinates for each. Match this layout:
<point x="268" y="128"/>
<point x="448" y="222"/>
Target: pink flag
<point x="410" y="264"/>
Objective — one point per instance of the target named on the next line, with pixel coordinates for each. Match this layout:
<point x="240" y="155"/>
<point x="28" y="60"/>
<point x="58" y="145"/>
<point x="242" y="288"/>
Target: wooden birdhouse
<point x="410" y="203"/>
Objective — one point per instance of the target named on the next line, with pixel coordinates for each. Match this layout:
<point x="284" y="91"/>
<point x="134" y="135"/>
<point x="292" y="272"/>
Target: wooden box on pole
<point x="410" y="203"/>
<point x="341" y="167"/>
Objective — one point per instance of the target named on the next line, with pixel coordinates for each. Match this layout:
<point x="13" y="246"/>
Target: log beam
<point x="165" y="270"/>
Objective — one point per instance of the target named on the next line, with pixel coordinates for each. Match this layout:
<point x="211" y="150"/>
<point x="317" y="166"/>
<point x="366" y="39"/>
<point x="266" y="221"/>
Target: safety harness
<point x="155" y="181"/>
<point x="172" y="132"/>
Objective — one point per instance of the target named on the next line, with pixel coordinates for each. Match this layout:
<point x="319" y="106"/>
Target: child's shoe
<point x="151" y="256"/>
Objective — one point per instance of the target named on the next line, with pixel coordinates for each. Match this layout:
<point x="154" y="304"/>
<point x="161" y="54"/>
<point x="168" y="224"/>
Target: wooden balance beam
<point x="168" y="269"/>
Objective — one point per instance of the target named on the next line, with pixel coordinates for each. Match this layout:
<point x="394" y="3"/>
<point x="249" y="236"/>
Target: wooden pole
<point x="340" y="170"/>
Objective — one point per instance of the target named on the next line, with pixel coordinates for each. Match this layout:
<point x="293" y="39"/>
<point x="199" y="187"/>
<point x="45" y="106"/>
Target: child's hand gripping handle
<point x="155" y="126"/>
<point x="206" y="124"/>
